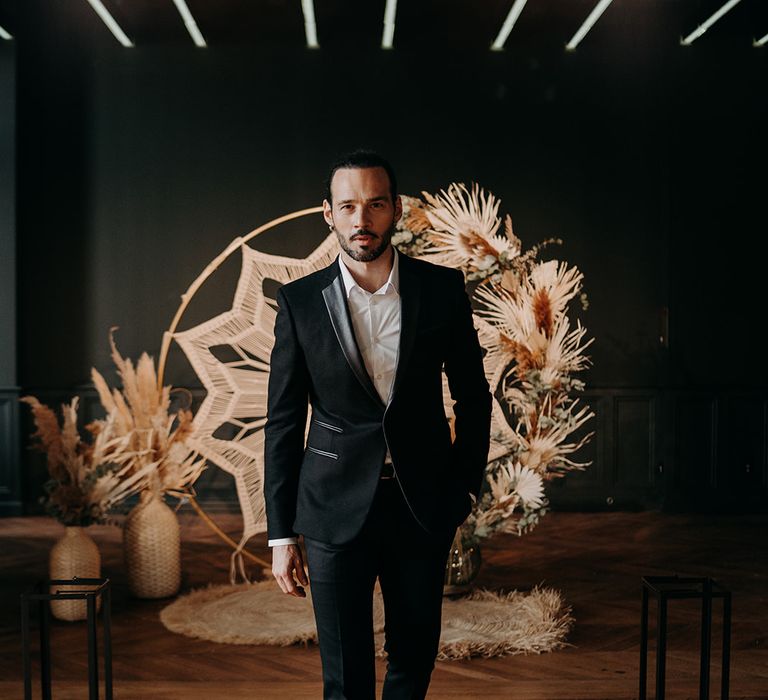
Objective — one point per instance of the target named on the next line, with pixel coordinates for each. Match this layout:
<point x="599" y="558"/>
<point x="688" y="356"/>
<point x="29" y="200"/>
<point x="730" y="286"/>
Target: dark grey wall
<point x="7" y="215"/>
<point x="9" y="454"/>
<point x="158" y="158"/>
<point x="178" y="152"/>
<point x="136" y="167"/>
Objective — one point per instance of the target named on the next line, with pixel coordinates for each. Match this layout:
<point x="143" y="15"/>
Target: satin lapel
<point x="410" y="301"/>
<point x="342" y="326"/>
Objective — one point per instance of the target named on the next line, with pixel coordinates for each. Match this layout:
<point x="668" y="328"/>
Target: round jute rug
<point x="483" y="623"/>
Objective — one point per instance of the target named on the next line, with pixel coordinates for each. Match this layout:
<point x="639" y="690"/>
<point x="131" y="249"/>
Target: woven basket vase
<point x="152" y="547"/>
<point x="74" y="554"/>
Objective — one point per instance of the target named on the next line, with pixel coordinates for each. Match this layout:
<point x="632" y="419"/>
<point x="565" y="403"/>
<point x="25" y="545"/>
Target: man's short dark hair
<point x="362" y="159"/>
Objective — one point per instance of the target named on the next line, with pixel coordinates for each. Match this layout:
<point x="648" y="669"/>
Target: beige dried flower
<point x="86" y="478"/>
<point x="532" y="350"/>
<point x="144" y="420"/>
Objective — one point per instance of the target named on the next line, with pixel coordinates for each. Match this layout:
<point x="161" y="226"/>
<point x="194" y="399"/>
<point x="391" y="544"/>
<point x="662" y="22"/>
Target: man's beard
<point x="371" y="253"/>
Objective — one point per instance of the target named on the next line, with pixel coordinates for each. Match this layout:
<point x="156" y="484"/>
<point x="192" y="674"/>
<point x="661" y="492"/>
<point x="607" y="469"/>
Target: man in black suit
<point x="380" y="487"/>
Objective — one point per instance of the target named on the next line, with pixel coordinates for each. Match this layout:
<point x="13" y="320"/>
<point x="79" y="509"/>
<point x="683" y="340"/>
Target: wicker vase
<point x="462" y="566"/>
<point x="74" y="554"/>
<point x="152" y="547"/>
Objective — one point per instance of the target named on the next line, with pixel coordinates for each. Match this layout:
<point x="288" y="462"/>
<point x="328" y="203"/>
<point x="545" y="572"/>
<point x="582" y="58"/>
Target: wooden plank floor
<point x="596" y="561"/>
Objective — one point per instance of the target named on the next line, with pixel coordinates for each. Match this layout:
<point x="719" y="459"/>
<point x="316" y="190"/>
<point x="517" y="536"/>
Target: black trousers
<point x="410" y="565"/>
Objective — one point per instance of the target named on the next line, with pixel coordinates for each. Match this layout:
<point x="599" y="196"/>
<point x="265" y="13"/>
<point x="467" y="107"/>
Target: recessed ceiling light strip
<point x="4" y="34"/>
<point x="310" y="28"/>
<point x="761" y="42"/>
<point x="588" y="23"/>
<point x="696" y="33"/>
<point x="390" y="11"/>
<point x="509" y="22"/>
<point x="109" y="20"/>
<point x="190" y="24"/>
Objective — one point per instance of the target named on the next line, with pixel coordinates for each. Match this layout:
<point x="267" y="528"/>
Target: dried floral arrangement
<point x="135" y="449"/>
<point x="85" y="478"/>
<point x="531" y="349"/>
<point x="143" y="418"/>
<point x="531" y="354"/>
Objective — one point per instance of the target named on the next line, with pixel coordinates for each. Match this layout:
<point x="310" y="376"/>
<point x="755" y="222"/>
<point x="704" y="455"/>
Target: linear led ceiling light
<point x="388" y="36"/>
<point x="696" y="33"/>
<point x="761" y="42"/>
<point x="584" y="28"/>
<point x="310" y="28"/>
<point x="509" y="22"/>
<point x="190" y="24"/>
<point x="109" y="20"/>
<point x="4" y="34"/>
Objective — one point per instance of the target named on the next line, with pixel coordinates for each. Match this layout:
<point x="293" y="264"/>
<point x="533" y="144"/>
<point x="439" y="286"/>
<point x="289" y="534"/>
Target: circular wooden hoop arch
<point x="168" y="337"/>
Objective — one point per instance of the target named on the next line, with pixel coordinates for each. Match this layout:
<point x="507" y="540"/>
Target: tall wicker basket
<point x="152" y="547"/>
<point x="74" y="554"/>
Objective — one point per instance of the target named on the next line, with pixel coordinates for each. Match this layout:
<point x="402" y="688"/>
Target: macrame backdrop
<point x="229" y="423"/>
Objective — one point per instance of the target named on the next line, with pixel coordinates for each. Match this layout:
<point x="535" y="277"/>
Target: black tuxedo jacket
<point x="325" y="488"/>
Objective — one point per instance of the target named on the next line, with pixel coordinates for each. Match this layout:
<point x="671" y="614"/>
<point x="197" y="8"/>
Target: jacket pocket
<point x="328" y="425"/>
<point x="322" y="438"/>
<point x="324" y="453"/>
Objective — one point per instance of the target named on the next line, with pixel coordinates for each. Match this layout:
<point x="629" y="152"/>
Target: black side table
<point x="665" y="588"/>
<point x="67" y="590"/>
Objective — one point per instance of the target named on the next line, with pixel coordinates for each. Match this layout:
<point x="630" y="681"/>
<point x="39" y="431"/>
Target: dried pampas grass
<point x="49" y="435"/>
<point x="138" y="446"/>
<point x="86" y="478"/>
<point x="532" y="351"/>
<point x="159" y="439"/>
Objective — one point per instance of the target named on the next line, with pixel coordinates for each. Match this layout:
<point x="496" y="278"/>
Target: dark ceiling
<point x="420" y="24"/>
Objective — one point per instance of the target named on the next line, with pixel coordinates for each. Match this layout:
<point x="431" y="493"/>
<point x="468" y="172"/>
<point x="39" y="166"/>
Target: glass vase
<point x="463" y="564"/>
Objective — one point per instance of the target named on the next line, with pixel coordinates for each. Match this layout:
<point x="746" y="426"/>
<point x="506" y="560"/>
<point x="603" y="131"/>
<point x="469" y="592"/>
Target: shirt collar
<point x="393" y="279"/>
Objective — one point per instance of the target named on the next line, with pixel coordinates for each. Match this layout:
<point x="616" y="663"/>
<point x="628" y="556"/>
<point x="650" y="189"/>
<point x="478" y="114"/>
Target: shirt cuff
<point x="283" y="540"/>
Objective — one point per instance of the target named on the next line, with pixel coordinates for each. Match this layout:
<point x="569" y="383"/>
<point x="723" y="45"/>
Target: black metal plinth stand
<point x="67" y="589"/>
<point x="664" y="589"/>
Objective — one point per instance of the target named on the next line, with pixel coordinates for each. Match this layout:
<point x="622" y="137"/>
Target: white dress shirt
<point x="376" y="322"/>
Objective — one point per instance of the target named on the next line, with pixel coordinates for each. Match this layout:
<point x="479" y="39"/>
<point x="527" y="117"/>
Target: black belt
<point x="387" y="471"/>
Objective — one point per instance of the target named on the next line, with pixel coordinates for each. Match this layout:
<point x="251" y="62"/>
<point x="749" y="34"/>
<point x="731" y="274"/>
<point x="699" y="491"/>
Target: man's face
<point x="363" y="214"/>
